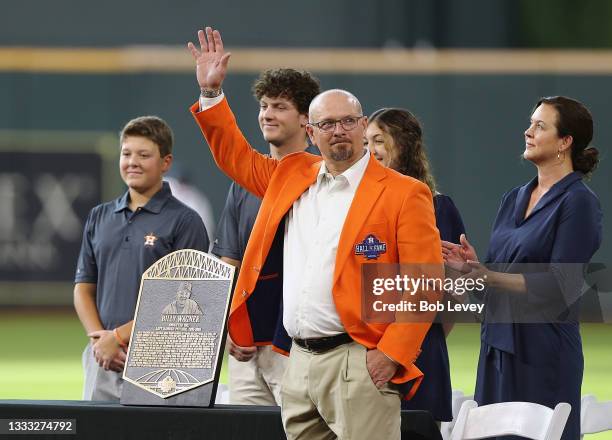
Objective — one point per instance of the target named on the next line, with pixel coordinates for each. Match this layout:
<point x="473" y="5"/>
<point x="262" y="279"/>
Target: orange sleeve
<point x="231" y="151"/>
<point x="418" y="238"/>
<point x="418" y="242"/>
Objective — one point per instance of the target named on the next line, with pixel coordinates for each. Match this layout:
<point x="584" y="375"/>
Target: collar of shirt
<point x="524" y="194"/>
<point x="352" y="176"/>
<point x="154" y="205"/>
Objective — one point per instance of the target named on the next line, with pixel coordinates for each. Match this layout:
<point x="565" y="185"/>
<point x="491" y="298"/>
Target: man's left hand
<point x="380" y="367"/>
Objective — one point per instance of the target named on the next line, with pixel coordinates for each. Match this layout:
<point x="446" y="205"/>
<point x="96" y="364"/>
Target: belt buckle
<point x="313" y="348"/>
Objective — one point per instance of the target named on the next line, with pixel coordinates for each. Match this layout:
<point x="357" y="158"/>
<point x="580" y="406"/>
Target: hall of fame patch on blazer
<point x="371" y="247"/>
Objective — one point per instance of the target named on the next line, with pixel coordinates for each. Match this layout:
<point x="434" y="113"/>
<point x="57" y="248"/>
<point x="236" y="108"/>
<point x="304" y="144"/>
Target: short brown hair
<point x="153" y="128"/>
<point x="407" y="135"/>
<point x="298" y="86"/>
<point x="575" y="120"/>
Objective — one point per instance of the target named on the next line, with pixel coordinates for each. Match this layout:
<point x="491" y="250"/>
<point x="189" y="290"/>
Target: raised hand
<point x="211" y="59"/>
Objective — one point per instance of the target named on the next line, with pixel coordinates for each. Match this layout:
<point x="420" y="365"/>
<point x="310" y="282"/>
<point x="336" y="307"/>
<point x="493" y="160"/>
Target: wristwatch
<point x="210" y="93"/>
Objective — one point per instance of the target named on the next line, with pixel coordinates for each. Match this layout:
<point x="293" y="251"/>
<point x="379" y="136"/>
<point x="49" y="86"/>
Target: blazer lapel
<point x="367" y="194"/>
<point x="292" y="189"/>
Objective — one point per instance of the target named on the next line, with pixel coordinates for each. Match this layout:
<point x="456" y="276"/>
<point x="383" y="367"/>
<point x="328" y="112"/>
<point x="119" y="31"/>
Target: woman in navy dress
<point x="553" y="220"/>
<point x="394" y="136"/>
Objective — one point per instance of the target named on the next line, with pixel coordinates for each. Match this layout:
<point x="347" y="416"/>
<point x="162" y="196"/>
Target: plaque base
<point x="134" y="395"/>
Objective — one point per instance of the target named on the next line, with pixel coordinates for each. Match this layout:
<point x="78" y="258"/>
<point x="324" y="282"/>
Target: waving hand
<point x="211" y="59"/>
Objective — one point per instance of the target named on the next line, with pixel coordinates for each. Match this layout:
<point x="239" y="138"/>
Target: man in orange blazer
<point x="343" y="374"/>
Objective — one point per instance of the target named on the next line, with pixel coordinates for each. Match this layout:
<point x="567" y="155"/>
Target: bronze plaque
<point x="176" y="348"/>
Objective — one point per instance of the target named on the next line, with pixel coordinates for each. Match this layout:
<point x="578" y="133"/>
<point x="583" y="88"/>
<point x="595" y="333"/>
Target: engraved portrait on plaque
<point x="183" y="305"/>
<point x="176" y="348"/>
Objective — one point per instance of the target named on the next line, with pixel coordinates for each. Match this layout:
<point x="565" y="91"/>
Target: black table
<point x="102" y="420"/>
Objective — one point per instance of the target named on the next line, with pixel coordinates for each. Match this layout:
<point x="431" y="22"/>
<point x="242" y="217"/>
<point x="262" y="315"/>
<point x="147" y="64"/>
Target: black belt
<point x="319" y="345"/>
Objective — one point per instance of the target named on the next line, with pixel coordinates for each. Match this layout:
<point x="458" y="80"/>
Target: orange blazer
<point x="396" y="208"/>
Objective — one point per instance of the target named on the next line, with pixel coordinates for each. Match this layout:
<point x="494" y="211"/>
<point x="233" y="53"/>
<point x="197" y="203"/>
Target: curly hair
<point x="153" y="128"/>
<point x="298" y="86"/>
<point x="406" y="134"/>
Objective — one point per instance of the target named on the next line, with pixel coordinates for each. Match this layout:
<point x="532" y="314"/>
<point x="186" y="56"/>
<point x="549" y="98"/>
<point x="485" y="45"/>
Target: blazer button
<point x="244" y="293"/>
<point x="256" y="269"/>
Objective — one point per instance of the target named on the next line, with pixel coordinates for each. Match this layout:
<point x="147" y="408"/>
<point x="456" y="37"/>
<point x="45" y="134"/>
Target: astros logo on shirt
<point x="150" y="239"/>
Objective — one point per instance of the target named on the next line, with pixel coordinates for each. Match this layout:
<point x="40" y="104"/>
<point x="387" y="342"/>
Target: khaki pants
<point x="257" y="381"/>
<point x="99" y="384"/>
<point x="331" y="395"/>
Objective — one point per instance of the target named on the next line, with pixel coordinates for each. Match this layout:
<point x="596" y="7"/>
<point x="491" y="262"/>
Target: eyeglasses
<point x="348" y="124"/>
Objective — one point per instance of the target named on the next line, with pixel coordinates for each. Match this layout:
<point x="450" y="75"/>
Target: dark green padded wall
<point x="473" y="123"/>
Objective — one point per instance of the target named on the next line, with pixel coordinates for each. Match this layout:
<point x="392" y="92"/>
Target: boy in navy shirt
<point x="121" y="239"/>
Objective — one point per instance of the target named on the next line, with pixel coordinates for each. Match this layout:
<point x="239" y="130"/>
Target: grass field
<point x="40" y="358"/>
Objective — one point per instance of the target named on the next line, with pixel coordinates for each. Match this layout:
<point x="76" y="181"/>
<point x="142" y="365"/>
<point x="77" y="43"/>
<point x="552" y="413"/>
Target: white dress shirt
<point x="312" y="231"/>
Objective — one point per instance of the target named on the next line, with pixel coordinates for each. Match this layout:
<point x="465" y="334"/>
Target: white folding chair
<point x="594" y="416"/>
<point x="525" y="419"/>
<point x="457" y="400"/>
